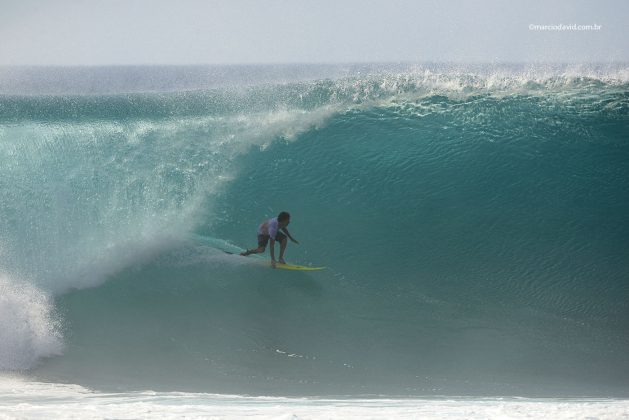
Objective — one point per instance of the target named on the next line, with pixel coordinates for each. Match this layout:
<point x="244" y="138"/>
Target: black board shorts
<point x="263" y="240"/>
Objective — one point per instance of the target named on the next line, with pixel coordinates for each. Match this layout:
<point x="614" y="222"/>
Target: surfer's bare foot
<point x="281" y="261"/>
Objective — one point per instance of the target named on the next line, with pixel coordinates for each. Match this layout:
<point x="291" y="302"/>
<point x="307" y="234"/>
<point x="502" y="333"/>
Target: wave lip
<point x="29" y="329"/>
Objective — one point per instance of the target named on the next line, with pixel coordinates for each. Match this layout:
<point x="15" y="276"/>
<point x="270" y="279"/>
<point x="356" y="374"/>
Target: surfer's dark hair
<point x="283" y="216"/>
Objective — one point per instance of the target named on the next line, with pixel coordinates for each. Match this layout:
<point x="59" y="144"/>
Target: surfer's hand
<point x="296" y="241"/>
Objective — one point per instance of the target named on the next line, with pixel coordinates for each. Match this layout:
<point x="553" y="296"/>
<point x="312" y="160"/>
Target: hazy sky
<point x="97" y="32"/>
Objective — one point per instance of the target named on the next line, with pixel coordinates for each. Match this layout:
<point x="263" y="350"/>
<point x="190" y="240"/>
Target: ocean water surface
<point x="472" y="219"/>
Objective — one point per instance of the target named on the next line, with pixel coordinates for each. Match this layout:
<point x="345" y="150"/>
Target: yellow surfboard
<point x="284" y="266"/>
<point x="297" y="267"/>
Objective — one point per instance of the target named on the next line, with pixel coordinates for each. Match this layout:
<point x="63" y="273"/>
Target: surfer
<point x="269" y="230"/>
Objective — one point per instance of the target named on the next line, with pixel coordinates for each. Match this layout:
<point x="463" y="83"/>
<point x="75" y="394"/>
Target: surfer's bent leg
<point x="258" y="250"/>
<point x="262" y="241"/>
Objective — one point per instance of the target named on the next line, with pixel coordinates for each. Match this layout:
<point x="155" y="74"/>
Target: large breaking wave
<point x="473" y="222"/>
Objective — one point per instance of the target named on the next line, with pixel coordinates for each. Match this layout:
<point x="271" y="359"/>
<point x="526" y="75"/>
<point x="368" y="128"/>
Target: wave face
<point x="473" y="222"/>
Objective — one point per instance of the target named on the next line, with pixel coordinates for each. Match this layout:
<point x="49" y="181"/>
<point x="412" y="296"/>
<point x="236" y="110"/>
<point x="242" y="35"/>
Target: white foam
<point x="20" y="398"/>
<point x="28" y="329"/>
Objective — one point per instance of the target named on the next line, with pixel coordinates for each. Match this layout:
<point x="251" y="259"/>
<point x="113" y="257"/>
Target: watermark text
<point x="564" y="27"/>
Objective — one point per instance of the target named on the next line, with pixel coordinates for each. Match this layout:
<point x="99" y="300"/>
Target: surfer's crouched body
<point x="269" y="230"/>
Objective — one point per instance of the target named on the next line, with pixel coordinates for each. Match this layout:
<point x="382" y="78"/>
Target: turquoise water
<point x="473" y="222"/>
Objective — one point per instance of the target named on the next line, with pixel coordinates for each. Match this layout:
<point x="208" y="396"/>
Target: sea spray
<point x="29" y="327"/>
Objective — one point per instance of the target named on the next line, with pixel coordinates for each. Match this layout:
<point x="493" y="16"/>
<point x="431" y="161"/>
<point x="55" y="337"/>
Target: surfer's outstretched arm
<point x="289" y="236"/>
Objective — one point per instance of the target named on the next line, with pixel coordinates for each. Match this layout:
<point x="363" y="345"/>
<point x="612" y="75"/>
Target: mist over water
<point x="472" y="219"/>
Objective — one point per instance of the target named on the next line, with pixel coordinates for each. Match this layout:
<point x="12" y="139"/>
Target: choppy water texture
<point x="473" y="222"/>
